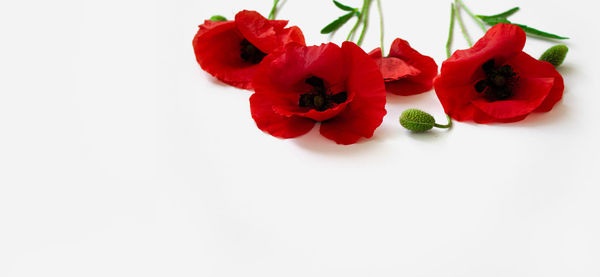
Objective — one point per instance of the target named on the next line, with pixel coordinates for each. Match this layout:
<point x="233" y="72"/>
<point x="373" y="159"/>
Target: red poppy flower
<point x="405" y="71"/>
<point x="341" y="88"/>
<point x="495" y="81"/>
<point x="231" y="50"/>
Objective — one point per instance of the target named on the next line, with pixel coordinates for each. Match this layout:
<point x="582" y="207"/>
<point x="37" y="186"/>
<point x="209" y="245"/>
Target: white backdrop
<point x="119" y="156"/>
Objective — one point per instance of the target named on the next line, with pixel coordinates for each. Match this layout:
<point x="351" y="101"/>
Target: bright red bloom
<point x="340" y="87"/>
<point x="405" y="71"/>
<point x="495" y="81"/>
<point x="232" y="50"/>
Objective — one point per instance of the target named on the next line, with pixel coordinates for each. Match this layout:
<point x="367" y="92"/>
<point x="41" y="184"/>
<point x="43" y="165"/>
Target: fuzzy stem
<point x="447" y="126"/>
<point x="381" y="27"/>
<point x="273" y="12"/>
<point x="463" y="29"/>
<point x="448" y="54"/>
<point x="365" y="23"/>
<point x="358" y="21"/>
<point x="451" y="32"/>
<point x="479" y="22"/>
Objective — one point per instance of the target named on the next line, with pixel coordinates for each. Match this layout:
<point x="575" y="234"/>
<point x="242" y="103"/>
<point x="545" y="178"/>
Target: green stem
<point x="477" y="19"/>
<point x="365" y="23"/>
<point x="451" y="32"/>
<point x="447" y="126"/>
<point x="358" y="21"/>
<point x="463" y="29"/>
<point x="381" y="29"/>
<point x="273" y="12"/>
<point x="448" y="54"/>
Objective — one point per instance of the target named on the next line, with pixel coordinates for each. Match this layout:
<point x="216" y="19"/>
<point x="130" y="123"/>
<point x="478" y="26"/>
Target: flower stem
<point x="479" y="22"/>
<point x="273" y="12"/>
<point x="381" y="27"/>
<point x="358" y="22"/>
<point x="447" y="126"/>
<point x="448" y="54"/>
<point x="463" y="29"/>
<point x="451" y="32"/>
<point x="365" y="23"/>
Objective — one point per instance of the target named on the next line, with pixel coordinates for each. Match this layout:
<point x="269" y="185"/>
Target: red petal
<point x="261" y="106"/>
<point x="209" y="24"/>
<point x="216" y="46"/>
<point x="289" y="35"/>
<point x="278" y="24"/>
<point x="366" y="111"/>
<point x="528" y="66"/>
<point x="455" y="84"/>
<point x="501" y="42"/>
<point x="288" y="70"/>
<point x="554" y="96"/>
<point x="529" y="94"/>
<point x="294" y="110"/>
<point x="394" y="69"/>
<point x="280" y="80"/>
<point x="538" y="81"/>
<point x="412" y="84"/>
<point x="257" y="30"/>
<point x="376" y="53"/>
<point x="456" y="100"/>
<point x="283" y="74"/>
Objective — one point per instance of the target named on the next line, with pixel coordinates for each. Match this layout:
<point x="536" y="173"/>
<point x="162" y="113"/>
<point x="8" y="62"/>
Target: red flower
<point x="495" y="81"/>
<point x="340" y="87"/>
<point x="231" y="50"/>
<point x="405" y="71"/>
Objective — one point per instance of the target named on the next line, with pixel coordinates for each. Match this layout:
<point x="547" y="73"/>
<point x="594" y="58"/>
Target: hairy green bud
<point x="417" y="120"/>
<point x="218" y="18"/>
<point x="555" y="55"/>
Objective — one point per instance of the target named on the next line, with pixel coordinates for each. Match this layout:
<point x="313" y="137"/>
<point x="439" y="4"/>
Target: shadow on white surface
<point x="397" y="133"/>
<point x="566" y="70"/>
<point x="393" y="99"/>
<point x="313" y="141"/>
<point x="216" y="81"/>
<point x="431" y="136"/>
<point x="554" y="117"/>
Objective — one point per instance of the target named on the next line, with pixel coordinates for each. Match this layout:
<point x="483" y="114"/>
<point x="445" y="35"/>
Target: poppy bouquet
<point x="343" y="89"/>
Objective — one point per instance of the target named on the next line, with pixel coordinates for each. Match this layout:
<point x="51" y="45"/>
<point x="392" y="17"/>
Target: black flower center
<point x="318" y="98"/>
<point x="250" y="53"/>
<point x="499" y="82"/>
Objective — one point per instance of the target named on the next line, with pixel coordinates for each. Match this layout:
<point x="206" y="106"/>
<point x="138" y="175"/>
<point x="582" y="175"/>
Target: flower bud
<point x="417" y="120"/>
<point x="555" y="55"/>
<point x="218" y="18"/>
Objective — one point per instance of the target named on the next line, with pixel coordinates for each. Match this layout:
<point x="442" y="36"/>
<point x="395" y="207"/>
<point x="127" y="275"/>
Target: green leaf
<point x="336" y="24"/>
<point x="344" y="7"/>
<point x="493" y="20"/>
<point x="539" y="33"/>
<point x="505" y="14"/>
<point x="218" y="18"/>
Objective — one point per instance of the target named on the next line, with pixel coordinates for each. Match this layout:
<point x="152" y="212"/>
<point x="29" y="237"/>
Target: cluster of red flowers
<point x="344" y="88"/>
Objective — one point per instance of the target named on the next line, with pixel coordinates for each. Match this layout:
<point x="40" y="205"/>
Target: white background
<point x="119" y="156"/>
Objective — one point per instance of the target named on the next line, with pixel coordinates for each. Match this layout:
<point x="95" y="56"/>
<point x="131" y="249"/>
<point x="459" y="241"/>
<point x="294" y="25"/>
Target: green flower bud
<point x="218" y="18"/>
<point x="417" y="120"/>
<point x="555" y="55"/>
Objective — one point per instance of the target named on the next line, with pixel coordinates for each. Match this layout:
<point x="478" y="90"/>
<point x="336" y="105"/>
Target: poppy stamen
<point x="250" y="53"/>
<point x="318" y="99"/>
<point x="499" y="83"/>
